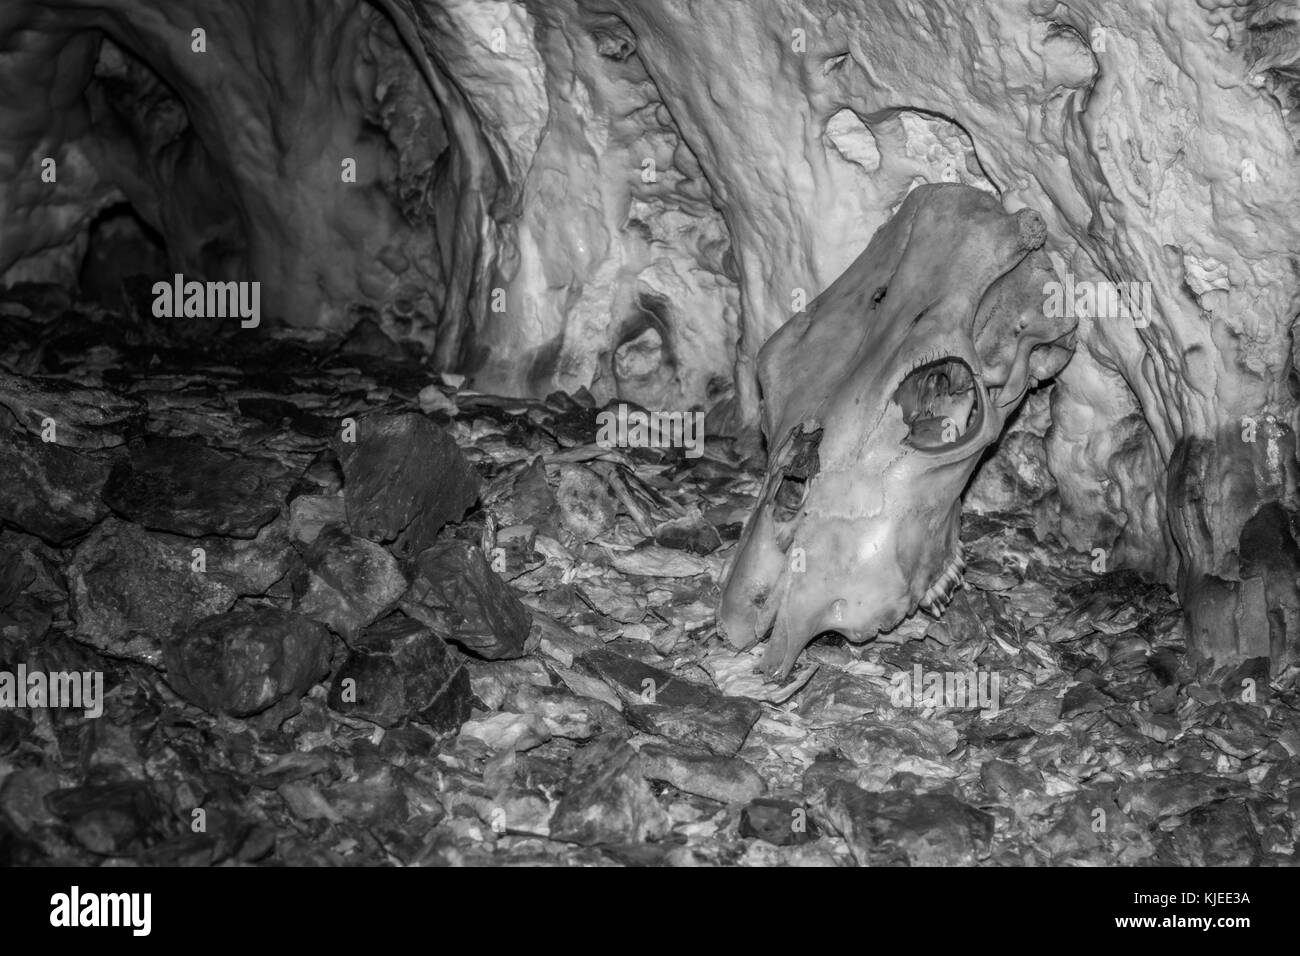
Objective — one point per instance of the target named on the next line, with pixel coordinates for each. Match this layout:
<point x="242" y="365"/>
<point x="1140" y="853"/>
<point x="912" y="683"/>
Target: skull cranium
<point x="877" y="405"/>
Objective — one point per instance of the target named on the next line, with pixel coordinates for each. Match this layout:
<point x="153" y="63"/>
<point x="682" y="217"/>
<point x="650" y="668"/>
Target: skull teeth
<point x="940" y="593"/>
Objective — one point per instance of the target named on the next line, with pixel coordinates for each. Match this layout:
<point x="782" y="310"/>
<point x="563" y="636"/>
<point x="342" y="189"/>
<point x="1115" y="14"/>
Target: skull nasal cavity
<point x="802" y="464"/>
<point x="939" y="403"/>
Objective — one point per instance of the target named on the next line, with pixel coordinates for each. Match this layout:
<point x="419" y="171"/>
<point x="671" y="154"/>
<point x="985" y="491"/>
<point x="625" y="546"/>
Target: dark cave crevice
<point x="120" y="246"/>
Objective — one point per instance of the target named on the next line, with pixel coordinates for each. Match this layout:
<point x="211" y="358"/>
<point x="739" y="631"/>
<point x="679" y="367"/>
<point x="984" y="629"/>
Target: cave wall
<point x="632" y="195"/>
<point x="233" y="156"/>
<point x="1154" y="138"/>
<point x="613" y="270"/>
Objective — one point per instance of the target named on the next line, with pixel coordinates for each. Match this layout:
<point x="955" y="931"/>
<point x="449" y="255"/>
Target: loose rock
<point x="185" y="487"/>
<point x="457" y="594"/>
<point x="346" y="582"/>
<point x="663" y="704"/>
<point x="587" y="508"/>
<point x="130" y="588"/>
<point x="401" y="669"/>
<point x="49" y="491"/>
<point x="725" y="779"/>
<point x="404" y="478"/>
<point x="80" y="417"/>
<point x="568" y="715"/>
<point x="608" y="800"/>
<point x="241" y="663"/>
<point x="891" y="829"/>
<point x="779" y="822"/>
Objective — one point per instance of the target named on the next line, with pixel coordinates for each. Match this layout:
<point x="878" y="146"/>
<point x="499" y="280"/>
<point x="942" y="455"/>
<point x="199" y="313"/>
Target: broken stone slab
<point x="306" y="802"/>
<point x="377" y="801"/>
<point x="779" y="822"/>
<point x="1161" y="728"/>
<point x="1083" y="698"/>
<point x="243" y="662"/>
<point x="457" y="594"/>
<point x="110" y="819"/>
<point x="22" y="798"/>
<point x="607" y="799"/>
<point x="493" y="682"/>
<point x="655" y="561"/>
<point x="1220" y="834"/>
<point x="638" y="682"/>
<point x="507" y="732"/>
<point x="346" y="582"/>
<point x="50" y="491"/>
<point x="585" y="685"/>
<point x="1074" y="834"/>
<point x="720" y="728"/>
<point x="309" y="515"/>
<point x="521" y="812"/>
<point x="278" y="412"/>
<point x="692" y="534"/>
<point x="879" y="748"/>
<point x="568" y="715"/>
<point x="400" y="669"/>
<point x="523" y="498"/>
<point x="905" y="829"/>
<point x="587" y="507"/>
<point x="558" y="642"/>
<point x="724" y="779"/>
<point x="186" y="487"/>
<point x="515" y="554"/>
<point x="663" y="704"/>
<point x="1176" y="794"/>
<point x="433" y="400"/>
<point x="130" y="588"/>
<point x="31" y="591"/>
<point x="404" y="478"/>
<point x="71" y="415"/>
<point x="1008" y="783"/>
<point x="19" y="562"/>
<point x="834" y="696"/>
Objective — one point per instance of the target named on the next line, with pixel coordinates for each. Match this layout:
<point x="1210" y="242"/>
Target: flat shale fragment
<point x="185" y="487"/>
<point x="457" y="594"/>
<point x="400" y="669"/>
<point x="404" y="478"/>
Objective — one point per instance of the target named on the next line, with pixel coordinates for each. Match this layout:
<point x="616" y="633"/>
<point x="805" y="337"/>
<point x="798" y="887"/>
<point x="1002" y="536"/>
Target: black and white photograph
<point x="643" y="434"/>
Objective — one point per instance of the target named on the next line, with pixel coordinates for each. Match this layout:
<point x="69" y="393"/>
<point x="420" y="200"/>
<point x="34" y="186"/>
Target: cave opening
<point x="120" y="245"/>
<point x="217" y="180"/>
<point x="643" y="363"/>
<point x="173" y="205"/>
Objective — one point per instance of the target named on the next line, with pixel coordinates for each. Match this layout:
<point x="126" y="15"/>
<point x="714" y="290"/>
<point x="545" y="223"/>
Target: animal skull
<point x="877" y="404"/>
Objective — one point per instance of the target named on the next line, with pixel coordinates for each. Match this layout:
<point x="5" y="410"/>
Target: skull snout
<point x="860" y="617"/>
<point x="848" y="583"/>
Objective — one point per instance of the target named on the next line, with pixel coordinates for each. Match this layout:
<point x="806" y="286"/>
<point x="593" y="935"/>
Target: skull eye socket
<point x="940" y="404"/>
<point x="802" y="464"/>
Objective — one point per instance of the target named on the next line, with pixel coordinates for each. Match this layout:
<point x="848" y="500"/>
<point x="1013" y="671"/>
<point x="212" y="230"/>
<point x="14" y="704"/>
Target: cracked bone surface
<point x="627" y="196"/>
<point x="878" y="402"/>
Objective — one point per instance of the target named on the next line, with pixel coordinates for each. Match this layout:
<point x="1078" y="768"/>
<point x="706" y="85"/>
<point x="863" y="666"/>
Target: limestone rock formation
<point x="631" y="196"/>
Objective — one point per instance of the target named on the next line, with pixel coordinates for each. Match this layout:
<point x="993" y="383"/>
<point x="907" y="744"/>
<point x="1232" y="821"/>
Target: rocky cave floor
<point x="615" y="728"/>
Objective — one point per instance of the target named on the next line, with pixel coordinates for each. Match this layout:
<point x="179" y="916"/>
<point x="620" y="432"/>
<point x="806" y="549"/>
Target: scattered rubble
<point x="474" y="636"/>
